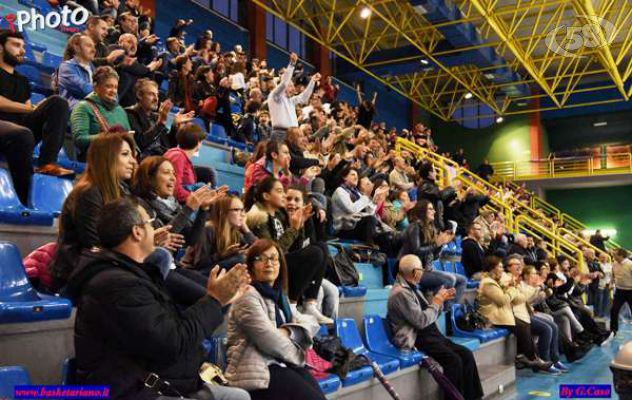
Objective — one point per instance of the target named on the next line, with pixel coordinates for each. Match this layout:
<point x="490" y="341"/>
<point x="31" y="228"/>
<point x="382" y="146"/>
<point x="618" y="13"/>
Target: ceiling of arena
<point x="444" y="54"/>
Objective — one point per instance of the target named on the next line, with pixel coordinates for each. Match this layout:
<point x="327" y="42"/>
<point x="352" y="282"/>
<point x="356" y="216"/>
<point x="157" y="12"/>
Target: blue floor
<point x="592" y="369"/>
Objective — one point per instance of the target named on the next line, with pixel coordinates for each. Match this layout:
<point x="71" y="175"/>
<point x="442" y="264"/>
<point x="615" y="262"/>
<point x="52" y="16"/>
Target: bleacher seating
<point x="377" y="339"/>
<point x="9" y="378"/>
<point x="458" y="310"/>
<point x="19" y="301"/>
<point x="48" y="193"/>
<point x="348" y="333"/>
<point x="13" y="212"/>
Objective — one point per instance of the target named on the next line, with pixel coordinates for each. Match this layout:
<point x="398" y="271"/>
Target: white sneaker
<point x="299" y="317"/>
<point x="310" y="308"/>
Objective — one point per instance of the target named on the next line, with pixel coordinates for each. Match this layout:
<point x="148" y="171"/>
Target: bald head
<point x="522" y="240"/>
<point x="408" y="264"/>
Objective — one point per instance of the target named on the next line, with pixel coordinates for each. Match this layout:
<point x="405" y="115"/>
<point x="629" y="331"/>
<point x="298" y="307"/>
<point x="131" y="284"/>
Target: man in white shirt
<point x="282" y="101"/>
<point x="622" y="274"/>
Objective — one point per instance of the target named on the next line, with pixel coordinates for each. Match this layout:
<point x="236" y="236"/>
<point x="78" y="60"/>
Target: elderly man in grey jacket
<point x="412" y="319"/>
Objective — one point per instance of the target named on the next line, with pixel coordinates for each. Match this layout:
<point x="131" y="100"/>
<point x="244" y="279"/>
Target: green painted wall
<point x="507" y="141"/>
<point x="598" y="208"/>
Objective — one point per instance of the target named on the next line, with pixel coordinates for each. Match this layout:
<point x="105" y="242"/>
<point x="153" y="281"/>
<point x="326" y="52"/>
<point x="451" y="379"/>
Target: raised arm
<point x="285" y="78"/>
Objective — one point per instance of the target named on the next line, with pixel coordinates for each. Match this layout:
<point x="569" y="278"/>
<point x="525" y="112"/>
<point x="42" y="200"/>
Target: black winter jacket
<point x="128" y="326"/>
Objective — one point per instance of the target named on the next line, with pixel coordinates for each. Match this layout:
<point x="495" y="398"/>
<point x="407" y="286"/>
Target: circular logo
<point x="577" y="37"/>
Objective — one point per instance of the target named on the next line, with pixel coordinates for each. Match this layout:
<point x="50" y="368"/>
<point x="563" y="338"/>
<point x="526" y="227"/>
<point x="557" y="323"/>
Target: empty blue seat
<point x="329" y="384"/>
<point x="13" y="212"/>
<point x="378" y="340"/>
<point x="19" y="302"/>
<point x="437" y="265"/>
<point x="458" y="268"/>
<point x="11" y="377"/>
<point x="51" y="61"/>
<point x="353" y="291"/>
<point x="471" y="343"/>
<point x="483" y="335"/>
<point x="36" y="98"/>
<point x="48" y="193"/>
<point x="218" y="130"/>
<point x="347" y="331"/>
<point x="199" y="122"/>
<point x="31" y="73"/>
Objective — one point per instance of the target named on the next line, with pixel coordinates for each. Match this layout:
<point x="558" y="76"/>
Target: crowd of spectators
<point x="145" y="232"/>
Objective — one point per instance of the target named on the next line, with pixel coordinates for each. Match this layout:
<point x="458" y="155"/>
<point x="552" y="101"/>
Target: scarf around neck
<point x="281" y="304"/>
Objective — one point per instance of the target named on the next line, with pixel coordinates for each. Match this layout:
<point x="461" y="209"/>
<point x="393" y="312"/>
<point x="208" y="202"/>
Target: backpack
<point x="342" y="271"/>
<point x="472" y="319"/>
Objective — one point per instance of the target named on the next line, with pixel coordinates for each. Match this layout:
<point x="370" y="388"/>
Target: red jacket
<point x="36" y="264"/>
<point x="185" y="174"/>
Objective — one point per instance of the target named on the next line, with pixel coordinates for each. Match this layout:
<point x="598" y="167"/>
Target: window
<point x="284" y="35"/>
<point x="227" y="8"/>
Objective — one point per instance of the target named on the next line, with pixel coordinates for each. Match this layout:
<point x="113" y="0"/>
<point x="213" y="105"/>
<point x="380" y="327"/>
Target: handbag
<point x="103" y="124"/>
<point x="211" y="373"/>
<point x="342" y="271"/>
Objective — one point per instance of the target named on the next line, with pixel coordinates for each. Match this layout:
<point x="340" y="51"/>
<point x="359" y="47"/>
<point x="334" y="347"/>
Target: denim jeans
<point x="433" y="280"/>
<point x="328" y="299"/>
<point x="548" y="337"/>
<point x="602" y="303"/>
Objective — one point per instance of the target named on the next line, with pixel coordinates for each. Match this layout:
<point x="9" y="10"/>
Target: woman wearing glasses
<point x="270" y="219"/>
<point x="266" y="345"/>
<point x="224" y="240"/>
<point x="497" y="294"/>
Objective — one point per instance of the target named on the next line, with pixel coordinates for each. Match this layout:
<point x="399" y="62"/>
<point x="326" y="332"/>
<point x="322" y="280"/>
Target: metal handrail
<point x="564" y="167"/>
<point x="563" y="232"/>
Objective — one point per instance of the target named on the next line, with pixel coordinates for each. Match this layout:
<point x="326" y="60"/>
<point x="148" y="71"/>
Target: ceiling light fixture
<point x="468" y="95"/>
<point x="424" y="61"/>
<point x="499" y="120"/>
<point x="365" y="13"/>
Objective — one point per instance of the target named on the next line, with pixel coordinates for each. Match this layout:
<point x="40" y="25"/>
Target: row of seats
<point x="455" y="267"/>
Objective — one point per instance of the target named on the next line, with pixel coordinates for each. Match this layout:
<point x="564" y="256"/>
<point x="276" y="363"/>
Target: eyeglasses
<point x="239" y="210"/>
<point x="264" y="259"/>
<point x="149" y="221"/>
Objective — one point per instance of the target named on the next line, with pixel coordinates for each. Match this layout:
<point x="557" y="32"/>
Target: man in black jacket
<point x="520" y="247"/>
<point x="97" y="29"/>
<point x="129" y="333"/>
<point x="150" y="130"/>
<point x="473" y="256"/>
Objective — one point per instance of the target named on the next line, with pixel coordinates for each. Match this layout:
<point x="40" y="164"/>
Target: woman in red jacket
<point x="190" y="138"/>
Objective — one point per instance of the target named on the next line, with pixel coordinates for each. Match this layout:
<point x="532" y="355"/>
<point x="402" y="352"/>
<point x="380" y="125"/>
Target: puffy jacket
<point x="128" y="326"/>
<point x="73" y="81"/>
<point x="254" y="341"/>
<point x="496" y="302"/>
<point x="262" y="226"/>
<point x="37" y="262"/>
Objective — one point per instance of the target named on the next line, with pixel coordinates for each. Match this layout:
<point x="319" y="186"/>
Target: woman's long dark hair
<point x="419" y="215"/>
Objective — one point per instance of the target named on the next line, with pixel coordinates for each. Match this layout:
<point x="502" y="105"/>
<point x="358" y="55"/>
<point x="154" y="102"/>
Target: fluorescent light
<point x="365" y="13"/>
<point x="424" y="61"/>
<point x="468" y="95"/>
<point x="521" y="104"/>
<point x="604" y="123"/>
<point x="610" y="232"/>
<point x="490" y="76"/>
<point x="499" y="120"/>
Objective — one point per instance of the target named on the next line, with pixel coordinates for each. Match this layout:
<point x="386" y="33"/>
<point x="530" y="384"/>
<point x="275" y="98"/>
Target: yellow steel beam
<point x="584" y="10"/>
<point x="277" y="11"/>
<point x="502" y="30"/>
<point x="490" y="101"/>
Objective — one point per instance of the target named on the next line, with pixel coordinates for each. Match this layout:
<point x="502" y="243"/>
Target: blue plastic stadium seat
<point x="11" y="377"/>
<point x="458" y="268"/>
<point x="51" y="61"/>
<point x="218" y="130"/>
<point x="353" y="291"/>
<point x="323" y="331"/>
<point x="19" y="302"/>
<point x="470" y="343"/>
<point x="13" y="212"/>
<point x="199" y="122"/>
<point x="37" y="97"/>
<point x="31" y="73"/>
<point x="347" y="331"/>
<point x="48" y="193"/>
<point x="329" y="384"/>
<point x="437" y="265"/>
<point x="483" y="336"/>
<point x="217" y="139"/>
<point x="377" y="339"/>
